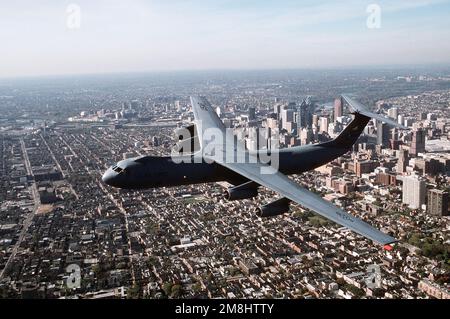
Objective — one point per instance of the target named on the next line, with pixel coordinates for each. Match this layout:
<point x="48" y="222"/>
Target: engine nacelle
<point x="231" y="194"/>
<point x="243" y="191"/>
<point x="278" y="207"/>
<point x="185" y="133"/>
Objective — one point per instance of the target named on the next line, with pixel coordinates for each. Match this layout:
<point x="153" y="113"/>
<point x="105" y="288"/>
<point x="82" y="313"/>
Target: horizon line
<point x="381" y="67"/>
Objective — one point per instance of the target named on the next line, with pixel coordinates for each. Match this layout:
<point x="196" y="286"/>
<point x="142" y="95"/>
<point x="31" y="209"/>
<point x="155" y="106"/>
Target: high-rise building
<point x="437" y="202"/>
<point x="287" y="115"/>
<point x="338" y="107"/>
<point x="305" y="113"/>
<point x="277" y="109"/>
<point x="382" y="134"/>
<point x="393" y="113"/>
<point x="315" y="120"/>
<point x="402" y="161"/>
<point x="418" y="142"/>
<point x="413" y="190"/>
<point x="323" y="124"/>
<point x="306" y="135"/>
<point x="251" y="114"/>
<point x="291" y="127"/>
<point x="272" y="123"/>
<point x="422" y="116"/>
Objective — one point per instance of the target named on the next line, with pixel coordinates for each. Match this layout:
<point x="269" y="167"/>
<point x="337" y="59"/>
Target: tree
<point x="167" y="288"/>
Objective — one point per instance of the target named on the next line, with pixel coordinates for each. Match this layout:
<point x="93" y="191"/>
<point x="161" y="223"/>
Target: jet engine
<point x="243" y="191"/>
<point x="278" y="207"/>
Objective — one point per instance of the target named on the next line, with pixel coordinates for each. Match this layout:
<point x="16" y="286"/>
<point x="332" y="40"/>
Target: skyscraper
<point x="251" y="114"/>
<point x="323" y="124"/>
<point x="402" y="161"/>
<point x="287" y="115"/>
<point x="305" y="113"/>
<point x="418" y="142"/>
<point x="437" y="202"/>
<point x="382" y="134"/>
<point x="338" y="107"/>
<point x="413" y="190"/>
<point x="277" y="110"/>
<point x="393" y="113"/>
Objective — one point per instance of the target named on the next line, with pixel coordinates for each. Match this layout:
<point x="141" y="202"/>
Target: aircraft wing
<point x="281" y="184"/>
<point x="361" y="109"/>
<point x="206" y="118"/>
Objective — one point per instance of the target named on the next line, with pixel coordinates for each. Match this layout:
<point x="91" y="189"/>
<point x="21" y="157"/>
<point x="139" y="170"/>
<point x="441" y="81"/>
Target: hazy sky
<point x="36" y="37"/>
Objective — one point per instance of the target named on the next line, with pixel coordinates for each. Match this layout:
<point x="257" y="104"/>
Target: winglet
<point x="361" y="109"/>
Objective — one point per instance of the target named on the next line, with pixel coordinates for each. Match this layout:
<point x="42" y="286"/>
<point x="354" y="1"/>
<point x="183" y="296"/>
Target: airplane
<point x="202" y="166"/>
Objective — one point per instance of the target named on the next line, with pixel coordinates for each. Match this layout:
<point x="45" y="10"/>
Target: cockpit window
<point x="117" y="169"/>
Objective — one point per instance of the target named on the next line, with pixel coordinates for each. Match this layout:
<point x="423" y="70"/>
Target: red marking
<point x="388" y="247"/>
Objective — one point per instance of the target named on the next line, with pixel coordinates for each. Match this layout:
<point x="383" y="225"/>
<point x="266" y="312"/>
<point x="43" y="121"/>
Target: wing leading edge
<point x="286" y="187"/>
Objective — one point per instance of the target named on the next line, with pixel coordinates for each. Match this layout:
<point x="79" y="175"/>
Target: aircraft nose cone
<point x="109" y="177"/>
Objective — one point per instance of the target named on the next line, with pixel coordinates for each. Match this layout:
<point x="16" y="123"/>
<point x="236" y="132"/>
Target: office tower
<point x="437" y="202"/>
<point x="305" y="111"/>
<point x="382" y="134"/>
<point x="413" y="190"/>
<point x="393" y="113"/>
<point x="315" y="120"/>
<point x="402" y="161"/>
<point x="306" y="135"/>
<point x="418" y="142"/>
<point x="287" y="115"/>
<point x="408" y="122"/>
<point x="401" y="119"/>
<point x="251" y="114"/>
<point x="338" y="107"/>
<point x="277" y="110"/>
<point x="323" y="124"/>
<point x="290" y="127"/>
<point x="394" y="134"/>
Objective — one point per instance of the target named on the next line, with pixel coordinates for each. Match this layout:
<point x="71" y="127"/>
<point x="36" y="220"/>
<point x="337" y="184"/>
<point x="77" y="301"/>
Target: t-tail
<point x="350" y="134"/>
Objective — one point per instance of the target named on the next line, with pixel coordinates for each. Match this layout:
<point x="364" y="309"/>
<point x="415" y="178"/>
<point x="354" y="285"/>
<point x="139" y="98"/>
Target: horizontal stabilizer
<point x="361" y="109"/>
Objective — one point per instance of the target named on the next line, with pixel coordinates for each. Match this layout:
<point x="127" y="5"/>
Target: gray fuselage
<point x="166" y="171"/>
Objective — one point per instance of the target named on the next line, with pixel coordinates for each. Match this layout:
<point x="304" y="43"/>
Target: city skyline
<point x="82" y="37"/>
